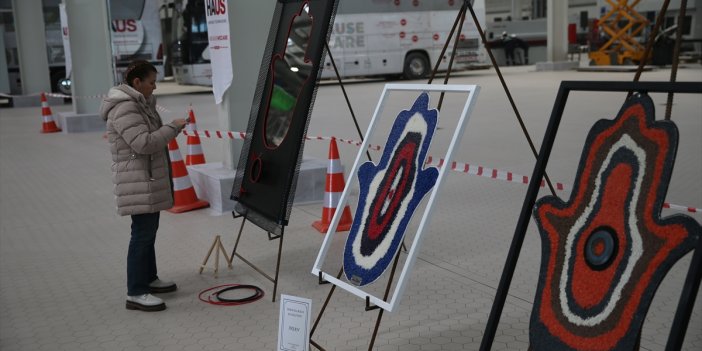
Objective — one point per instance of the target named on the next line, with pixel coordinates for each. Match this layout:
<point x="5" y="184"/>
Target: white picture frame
<point x="471" y="92"/>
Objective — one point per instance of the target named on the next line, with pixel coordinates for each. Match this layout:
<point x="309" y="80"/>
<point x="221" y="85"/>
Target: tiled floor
<point x="63" y="248"/>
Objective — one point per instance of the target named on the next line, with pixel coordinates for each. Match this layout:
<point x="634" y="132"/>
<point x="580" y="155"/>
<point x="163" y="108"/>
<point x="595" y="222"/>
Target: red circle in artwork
<point x="599" y="247"/>
<point x="397" y="2"/>
<point x="450" y="2"/>
<point x="402" y="35"/>
<point x="415" y="3"/>
<point x="436" y="37"/>
<point x="415" y="38"/>
<point x="403" y="22"/>
<point x="463" y="37"/>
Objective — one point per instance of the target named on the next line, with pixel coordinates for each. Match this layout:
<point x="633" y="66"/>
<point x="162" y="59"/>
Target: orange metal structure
<point x="622" y="24"/>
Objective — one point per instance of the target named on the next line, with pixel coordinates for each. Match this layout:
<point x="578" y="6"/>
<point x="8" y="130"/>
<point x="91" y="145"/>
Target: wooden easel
<point x="217" y="247"/>
<point x="271" y="237"/>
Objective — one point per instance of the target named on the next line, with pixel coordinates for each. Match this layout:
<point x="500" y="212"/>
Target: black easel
<point x="694" y="275"/>
<point x="368" y="306"/>
<point x="271" y="237"/>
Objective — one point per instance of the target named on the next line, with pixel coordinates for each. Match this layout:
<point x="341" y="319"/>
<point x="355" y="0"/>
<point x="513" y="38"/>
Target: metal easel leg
<point x="385" y="297"/>
<point x="324" y="306"/>
<point x="367" y="308"/>
<point x="236" y="243"/>
<point x="509" y="95"/>
<point x="250" y="264"/>
<point x="277" y="267"/>
<point x="462" y="15"/>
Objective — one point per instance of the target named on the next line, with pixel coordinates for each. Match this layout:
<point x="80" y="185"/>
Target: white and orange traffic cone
<point x="332" y="192"/>
<point x="48" y="125"/>
<point x="194" y="154"/>
<point x="184" y="195"/>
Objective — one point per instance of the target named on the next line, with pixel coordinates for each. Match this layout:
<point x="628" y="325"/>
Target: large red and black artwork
<point x="389" y="194"/>
<point x="606" y="250"/>
<point x="267" y="172"/>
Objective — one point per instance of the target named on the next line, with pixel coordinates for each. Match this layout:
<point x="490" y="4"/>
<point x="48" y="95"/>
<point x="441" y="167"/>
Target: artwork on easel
<point x="264" y="185"/>
<point x="606" y="250"/>
<point x="391" y="191"/>
<point x="389" y="194"/>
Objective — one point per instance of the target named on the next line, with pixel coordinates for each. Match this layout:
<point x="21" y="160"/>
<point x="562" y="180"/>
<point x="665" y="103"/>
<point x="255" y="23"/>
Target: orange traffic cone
<point x="194" y="155"/>
<point x="332" y="192"/>
<point x="48" y="125"/>
<point x="184" y="195"/>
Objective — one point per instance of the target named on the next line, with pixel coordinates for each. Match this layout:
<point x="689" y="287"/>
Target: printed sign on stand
<point x="294" y="324"/>
<point x="219" y="48"/>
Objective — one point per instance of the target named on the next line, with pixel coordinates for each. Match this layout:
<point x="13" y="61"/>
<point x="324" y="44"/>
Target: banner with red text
<point x="220" y="51"/>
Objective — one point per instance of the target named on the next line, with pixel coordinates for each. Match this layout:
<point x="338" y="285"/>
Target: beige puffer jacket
<point x="138" y="142"/>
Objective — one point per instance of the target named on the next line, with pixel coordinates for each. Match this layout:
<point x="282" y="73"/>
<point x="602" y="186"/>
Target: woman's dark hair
<point x="138" y="69"/>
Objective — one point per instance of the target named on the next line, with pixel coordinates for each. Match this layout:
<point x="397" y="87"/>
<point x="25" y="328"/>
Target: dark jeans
<point x="141" y="258"/>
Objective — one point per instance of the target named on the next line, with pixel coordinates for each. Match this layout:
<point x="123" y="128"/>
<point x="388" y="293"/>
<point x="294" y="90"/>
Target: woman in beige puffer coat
<point x="141" y="176"/>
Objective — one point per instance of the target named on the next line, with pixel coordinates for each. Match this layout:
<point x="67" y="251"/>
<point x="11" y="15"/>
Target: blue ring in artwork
<point x="601" y="248"/>
<point x="389" y="194"/>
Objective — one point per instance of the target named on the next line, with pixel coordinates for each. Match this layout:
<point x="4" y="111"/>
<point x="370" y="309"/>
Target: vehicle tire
<point x="416" y="66"/>
<point x="56" y="77"/>
<point x="64" y="88"/>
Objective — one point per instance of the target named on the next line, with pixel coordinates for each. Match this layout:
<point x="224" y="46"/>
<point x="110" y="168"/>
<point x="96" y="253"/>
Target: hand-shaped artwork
<point x="606" y="250"/>
<point x="389" y="194"/>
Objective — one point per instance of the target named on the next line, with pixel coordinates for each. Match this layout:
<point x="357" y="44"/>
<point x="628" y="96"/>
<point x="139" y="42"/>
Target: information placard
<point x="294" y="323"/>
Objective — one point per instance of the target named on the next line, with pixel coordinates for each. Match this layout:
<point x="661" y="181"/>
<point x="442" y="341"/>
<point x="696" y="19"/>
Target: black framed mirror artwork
<point x="267" y="170"/>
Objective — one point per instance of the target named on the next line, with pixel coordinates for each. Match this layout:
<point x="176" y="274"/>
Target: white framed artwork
<point x="391" y="190"/>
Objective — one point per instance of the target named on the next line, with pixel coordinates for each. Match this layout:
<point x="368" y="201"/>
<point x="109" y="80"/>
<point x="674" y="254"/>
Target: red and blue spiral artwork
<point x="389" y="194"/>
<point x="606" y="250"/>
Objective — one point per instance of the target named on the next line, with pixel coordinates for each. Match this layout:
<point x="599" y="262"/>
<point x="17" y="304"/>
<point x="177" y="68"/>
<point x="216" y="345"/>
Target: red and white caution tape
<point x="216" y="134"/>
<point x="486" y="172"/>
<point x="241" y="136"/>
<point x="682" y="208"/>
<point x="516" y="178"/>
<point x="101" y="96"/>
<point x="64" y="96"/>
<point x="455" y="166"/>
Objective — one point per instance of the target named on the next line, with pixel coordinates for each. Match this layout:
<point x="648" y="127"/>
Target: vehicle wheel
<point x="56" y="76"/>
<point x="416" y="66"/>
<point x="64" y="86"/>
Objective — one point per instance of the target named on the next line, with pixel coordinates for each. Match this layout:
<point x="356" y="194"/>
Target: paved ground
<point x="63" y="248"/>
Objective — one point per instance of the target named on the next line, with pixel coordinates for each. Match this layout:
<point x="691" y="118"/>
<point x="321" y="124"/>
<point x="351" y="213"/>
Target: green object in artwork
<point x="281" y="99"/>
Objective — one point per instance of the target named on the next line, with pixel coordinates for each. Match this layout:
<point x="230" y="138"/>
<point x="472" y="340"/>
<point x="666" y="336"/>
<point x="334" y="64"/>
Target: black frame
<point x="694" y="274"/>
<point x="264" y="185"/>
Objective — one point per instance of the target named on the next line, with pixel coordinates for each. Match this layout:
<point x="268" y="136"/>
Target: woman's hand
<point x="180" y="122"/>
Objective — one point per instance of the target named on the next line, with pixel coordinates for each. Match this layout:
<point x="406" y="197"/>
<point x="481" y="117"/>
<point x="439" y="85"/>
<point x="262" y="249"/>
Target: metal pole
<point x="509" y="95"/>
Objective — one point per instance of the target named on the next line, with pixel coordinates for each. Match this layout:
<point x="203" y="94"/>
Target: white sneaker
<point x="146" y="302"/>
<point x="158" y="286"/>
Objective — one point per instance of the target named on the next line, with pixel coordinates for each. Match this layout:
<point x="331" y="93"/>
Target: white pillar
<point x="4" y="77"/>
<point x="556" y="30"/>
<point x="697" y="22"/>
<point x="556" y="37"/>
<point x="249" y="24"/>
<point x="91" y="52"/>
<point x="516" y="10"/>
<point x="31" y="46"/>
